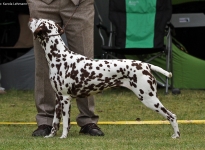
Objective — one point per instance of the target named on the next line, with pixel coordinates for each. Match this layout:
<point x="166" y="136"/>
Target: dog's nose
<point x="30" y="19"/>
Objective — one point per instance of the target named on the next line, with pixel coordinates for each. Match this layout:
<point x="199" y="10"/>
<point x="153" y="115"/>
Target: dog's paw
<point x="174" y="136"/>
<point x="63" y="136"/>
<point x="49" y="136"/>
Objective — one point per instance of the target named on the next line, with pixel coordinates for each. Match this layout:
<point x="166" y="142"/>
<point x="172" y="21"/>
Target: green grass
<point x="112" y="105"/>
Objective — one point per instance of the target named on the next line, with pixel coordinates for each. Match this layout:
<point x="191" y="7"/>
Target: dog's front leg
<point x="56" y="118"/>
<point x="66" y="105"/>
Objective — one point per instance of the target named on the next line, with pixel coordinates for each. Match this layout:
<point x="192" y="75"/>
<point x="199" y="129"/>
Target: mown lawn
<point x="116" y="104"/>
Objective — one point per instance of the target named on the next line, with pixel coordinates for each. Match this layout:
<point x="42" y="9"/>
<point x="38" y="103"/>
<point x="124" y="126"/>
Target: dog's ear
<point x="38" y="31"/>
<point x="60" y="30"/>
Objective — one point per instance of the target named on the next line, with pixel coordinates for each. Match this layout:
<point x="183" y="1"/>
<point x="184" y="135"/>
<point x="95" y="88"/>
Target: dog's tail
<point x="160" y="70"/>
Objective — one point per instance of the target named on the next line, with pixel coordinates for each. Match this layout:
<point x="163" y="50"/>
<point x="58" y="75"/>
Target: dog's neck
<point x="54" y="47"/>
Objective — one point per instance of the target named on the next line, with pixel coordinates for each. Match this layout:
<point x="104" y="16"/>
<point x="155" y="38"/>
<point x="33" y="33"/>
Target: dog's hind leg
<point x="158" y="107"/>
<point x="66" y="107"/>
<point x="153" y="103"/>
<point x="56" y="118"/>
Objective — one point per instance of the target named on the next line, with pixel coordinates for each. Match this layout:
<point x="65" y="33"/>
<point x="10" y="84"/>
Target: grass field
<point x="112" y="105"/>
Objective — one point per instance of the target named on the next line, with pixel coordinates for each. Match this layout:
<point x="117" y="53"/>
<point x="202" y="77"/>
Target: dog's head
<point x="43" y="28"/>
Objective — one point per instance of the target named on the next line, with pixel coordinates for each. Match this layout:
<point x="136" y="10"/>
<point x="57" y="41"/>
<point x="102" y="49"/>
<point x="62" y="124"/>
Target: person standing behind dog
<point x="79" y="34"/>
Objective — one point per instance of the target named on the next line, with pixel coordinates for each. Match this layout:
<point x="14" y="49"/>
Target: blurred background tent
<point x="189" y="68"/>
<point x="17" y="65"/>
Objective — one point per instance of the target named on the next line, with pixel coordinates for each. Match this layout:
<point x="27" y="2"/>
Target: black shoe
<point x="91" y="129"/>
<point x="42" y="130"/>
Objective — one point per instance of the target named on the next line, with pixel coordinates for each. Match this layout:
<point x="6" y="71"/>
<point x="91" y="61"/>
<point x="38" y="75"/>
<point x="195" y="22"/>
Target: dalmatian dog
<point x="73" y="75"/>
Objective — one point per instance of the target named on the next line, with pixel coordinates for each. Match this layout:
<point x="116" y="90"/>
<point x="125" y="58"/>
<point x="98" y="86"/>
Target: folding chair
<point x="138" y="27"/>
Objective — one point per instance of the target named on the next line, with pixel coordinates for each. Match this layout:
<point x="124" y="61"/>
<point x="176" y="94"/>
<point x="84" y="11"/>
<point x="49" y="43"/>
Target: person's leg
<point x="79" y="34"/>
<point x="44" y="93"/>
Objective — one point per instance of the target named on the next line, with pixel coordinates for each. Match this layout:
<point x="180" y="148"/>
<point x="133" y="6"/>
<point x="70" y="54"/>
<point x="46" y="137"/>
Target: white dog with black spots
<point x="73" y="75"/>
